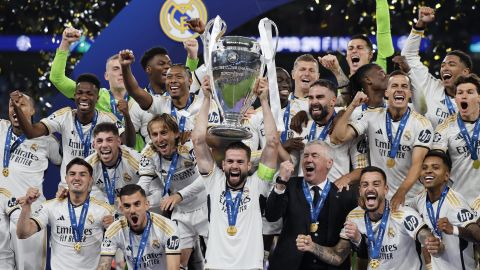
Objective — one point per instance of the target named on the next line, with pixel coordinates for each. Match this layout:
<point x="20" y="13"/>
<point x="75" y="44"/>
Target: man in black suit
<point x="310" y="205"/>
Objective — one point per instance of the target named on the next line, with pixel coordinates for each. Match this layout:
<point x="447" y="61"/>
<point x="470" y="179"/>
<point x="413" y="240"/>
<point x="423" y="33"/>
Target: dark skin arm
<point x="129" y="136"/>
<point x="31" y="130"/>
<point x="471" y="232"/>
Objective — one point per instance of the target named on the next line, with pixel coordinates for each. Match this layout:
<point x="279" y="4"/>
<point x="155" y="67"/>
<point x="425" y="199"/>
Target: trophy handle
<point x="207" y="35"/>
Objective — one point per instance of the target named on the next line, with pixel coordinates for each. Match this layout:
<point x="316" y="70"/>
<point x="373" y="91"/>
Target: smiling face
<point x="373" y="189"/>
<point x="398" y="92"/>
<point x="178" y="82"/>
<point x="157" y="68"/>
<point x="163" y="139"/>
<point x="134" y="208"/>
<point x="78" y="179"/>
<point x="450" y="69"/>
<point x="304" y="74"/>
<point x="321" y="102"/>
<point x="284" y="84"/>
<point x="358" y="54"/>
<point x="113" y="74"/>
<point x="236" y="166"/>
<point x="107" y="146"/>
<point x="27" y="108"/>
<point x="467" y="100"/>
<point x="434" y="173"/>
<point x="316" y="163"/>
<point x="86" y="96"/>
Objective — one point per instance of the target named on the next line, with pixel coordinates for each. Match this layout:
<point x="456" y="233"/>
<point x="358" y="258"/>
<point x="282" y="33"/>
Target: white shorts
<point x="190" y="225"/>
<point x="272" y="228"/>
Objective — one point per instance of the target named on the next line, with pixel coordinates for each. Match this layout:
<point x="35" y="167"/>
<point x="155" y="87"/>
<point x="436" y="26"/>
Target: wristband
<point x="265" y="173"/>
<point x="455" y="230"/>
<point x="280" y="181"/>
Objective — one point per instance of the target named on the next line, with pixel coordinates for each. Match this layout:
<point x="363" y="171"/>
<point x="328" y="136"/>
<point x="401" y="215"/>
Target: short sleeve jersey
<point x="63" y="122"/>
<point x="140" y="118"/>
<point x="449" y="138"/>
<point x="28" y="161"/>
<point x="7" y="206"/>
<point x="398" y="240"/>
<point x="125" y="173"/>
<point x="417" y="133"/>
<point x="55" y="213"/>
<point x="242" y="250"/>
<point x="458" y="253"/>
<point x="163" y="240"/>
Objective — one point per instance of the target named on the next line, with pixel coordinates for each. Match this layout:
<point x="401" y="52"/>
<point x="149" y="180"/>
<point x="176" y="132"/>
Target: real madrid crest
<point x="391" y="232"/>
<point x="90" y="219"/>
<point x="155" y="244"/>
<point x="407" y="135"/>
<point x="175" y="14"/>
<point x="34" y="147"/>
<point x="127" y="177"/>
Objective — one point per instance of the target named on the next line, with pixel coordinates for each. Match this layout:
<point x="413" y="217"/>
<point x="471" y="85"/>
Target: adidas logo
<point x="61" y="218"/>
<point x="379" y="132"/>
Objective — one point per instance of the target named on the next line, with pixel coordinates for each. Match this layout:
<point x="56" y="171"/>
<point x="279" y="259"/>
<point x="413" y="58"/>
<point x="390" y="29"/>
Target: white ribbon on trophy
<point x="268" y="51"/>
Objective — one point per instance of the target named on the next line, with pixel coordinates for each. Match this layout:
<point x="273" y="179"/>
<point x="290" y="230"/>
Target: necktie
<point x="316" y="194"/>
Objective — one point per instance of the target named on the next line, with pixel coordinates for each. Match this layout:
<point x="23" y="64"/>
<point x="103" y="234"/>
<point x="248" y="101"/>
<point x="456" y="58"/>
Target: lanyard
<point x="10" y="148"/>
<point x="171" y="170"/>
<point x="113" y="105"/>
<point x="173" y="112"/>
<point x="143" y="243"/>
<point x="448" y="102"/>
<point x="77" y="229"/>
<point x="374" y="245"/>
<point x="110" y="183"/>
<point x="232" y="207"/>
<point x="315" y="209"/>
<point x="431" y="215"/>
<point x="395" y="143"/>
<point x="325" y="130"/>
<point x="472" y="142"/>
<point x="86" y="141"/>
<point x="286" y="119"/>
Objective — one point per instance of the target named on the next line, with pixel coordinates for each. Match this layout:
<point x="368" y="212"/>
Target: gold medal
<point x="390" y="163"/>
<point x="231" y="230"/>
<point x="77" y="247"/>
<point x="476" y="164"/>
<point x="374" y="263"/>
<point x="313" y="227"/>
<point x="5" y="172"/>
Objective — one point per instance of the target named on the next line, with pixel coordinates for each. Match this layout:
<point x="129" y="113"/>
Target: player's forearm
<point x="471" y="233"/>
<point x="105" y="263"/>
<point x="24" y="223"/>
<point x="199" y="134"/>
<point x="57" y="74"/>
<point x="143" y="98"/>
<point x="342" y="79"/>
<point x="270" y="151"/>
<point x="31" y="130"/>
<point x="129" y="134"/>
<point x="173" y="261"/>
<point x="340" y="129"/>
<point x="330" y="255"/>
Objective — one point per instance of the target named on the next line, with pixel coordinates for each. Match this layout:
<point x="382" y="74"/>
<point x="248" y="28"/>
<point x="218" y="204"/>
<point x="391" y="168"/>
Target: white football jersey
<point x="398" y="249"/>
<point x="449" y="138"/>
<point x="140" y="119"/>
<point x="476" y="206"/>
<point x="7" y="207"/>
<point x="63" y="122"/>
<point x="424" y="84"/>
<point x="63" y="256"/>
<point x="417" y="133"/>
<point x="162" y="241"/>
<point x="153" y="174"/>
<point x="458" y="253"/>
<point x="125" y="173"/>
<point x="28" y="162"/>
<point x="244" y="250"/>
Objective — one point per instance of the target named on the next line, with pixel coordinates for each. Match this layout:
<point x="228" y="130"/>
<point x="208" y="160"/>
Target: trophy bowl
<point x="235" y="63"/>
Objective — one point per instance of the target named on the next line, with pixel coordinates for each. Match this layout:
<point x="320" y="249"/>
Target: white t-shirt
<point x="162" y="241"/>
<point x="28" y="162"/>
<point x="417" y="133"/>
<point x="63" y="122"/>
<point x="424" y="84"/>
<point x="55" y="213"/>
<point x="458" y="212"/>
<point x="125" y="173"/>
<point x="7" y="207"/>
<point x="244" y="250"/>
<point x="153" y="174"/>
<point x="398" y="247"/>
<point x="449" y="138"/>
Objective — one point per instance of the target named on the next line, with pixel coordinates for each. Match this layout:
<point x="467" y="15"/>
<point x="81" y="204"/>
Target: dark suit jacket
<point x="294" y="209"/>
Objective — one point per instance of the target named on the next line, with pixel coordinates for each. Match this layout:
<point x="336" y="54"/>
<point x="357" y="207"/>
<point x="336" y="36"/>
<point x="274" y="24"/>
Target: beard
<point x="320" y="116"/>
<point x="242" y="178"/>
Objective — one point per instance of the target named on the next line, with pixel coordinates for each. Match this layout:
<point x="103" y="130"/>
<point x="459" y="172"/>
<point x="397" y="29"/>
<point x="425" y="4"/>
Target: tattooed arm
<point x="332" y="255"/>
<point x="105" y="263"/>
<point x="433" y="245"/>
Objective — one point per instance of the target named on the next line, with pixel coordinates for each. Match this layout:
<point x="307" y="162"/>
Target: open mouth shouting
<point x="447" y="77"/>
<point x="463" y="106"/>
<point x="309" y="170"/>
<point x="371" y="200"/>
<point x="305" y="82"/>
<point x="355" y="59"/>
<point x="399" y="98"/>
<point x="106" y="154"/>
<point x="234" y="174"/>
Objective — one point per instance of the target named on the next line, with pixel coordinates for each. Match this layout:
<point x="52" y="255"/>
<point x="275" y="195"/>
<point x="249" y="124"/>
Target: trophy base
<point x="231" y="132"/>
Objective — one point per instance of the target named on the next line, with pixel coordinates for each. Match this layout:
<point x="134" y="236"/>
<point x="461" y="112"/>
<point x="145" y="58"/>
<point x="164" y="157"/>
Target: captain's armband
<point x="265" y="173"/>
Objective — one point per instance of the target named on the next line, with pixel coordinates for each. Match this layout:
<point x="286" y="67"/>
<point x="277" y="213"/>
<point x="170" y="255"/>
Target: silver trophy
<point x="233" y="64"/>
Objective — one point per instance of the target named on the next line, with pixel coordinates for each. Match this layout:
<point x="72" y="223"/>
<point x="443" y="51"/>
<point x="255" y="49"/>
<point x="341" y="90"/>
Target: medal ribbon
<point x="431" y="215"/>
<point x="325" y="130"/>
<point x="171" y="170"/>
<point x="395" y="143"/>
<point x="286" y="118"/>
<point x="173" y="112"/>
<point x="315" y="209"/>
<point x="86" y="141"/>
<point x="232" y="207"/>
<point x="113" y="105"/>
<point x="448" y="102"/>
<point x="110" y="184"/>
<point x="10" y="148"/>
<point x="472" y="142"/>
<point x="374" y="245"/>
<point x="77" y="229"/>
<point x="142" y="245"/>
